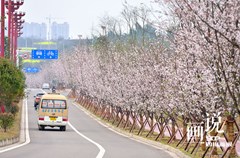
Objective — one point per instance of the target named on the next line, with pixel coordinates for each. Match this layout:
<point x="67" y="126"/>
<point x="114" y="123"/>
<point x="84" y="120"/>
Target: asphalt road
<point x="84" y="138"/>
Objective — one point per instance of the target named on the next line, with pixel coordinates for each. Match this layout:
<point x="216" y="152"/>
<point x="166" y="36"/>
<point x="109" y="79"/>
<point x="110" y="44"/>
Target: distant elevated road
<point x="84" y="138"/>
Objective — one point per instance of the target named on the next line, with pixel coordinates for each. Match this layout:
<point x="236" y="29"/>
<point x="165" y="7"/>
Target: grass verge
<point x="14" y="131"/>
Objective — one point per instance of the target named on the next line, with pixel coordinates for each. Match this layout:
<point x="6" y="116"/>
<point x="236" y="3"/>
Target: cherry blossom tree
<point x="207" y="45"/>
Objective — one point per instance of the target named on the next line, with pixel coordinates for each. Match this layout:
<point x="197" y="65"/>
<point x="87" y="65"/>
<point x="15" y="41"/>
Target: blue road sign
<point x="44" y="54"/>
<point x="31" y="69"/>
<point x="38" y="54"/>
<point x="51" y="54"/>
<point x="35" y="69"/>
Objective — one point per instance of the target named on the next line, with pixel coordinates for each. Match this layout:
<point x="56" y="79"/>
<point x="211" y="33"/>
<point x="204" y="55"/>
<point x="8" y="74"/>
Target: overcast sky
<point x="81" y="15"/>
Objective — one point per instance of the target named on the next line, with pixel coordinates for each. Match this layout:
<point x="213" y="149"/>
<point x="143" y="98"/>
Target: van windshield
<point x="53" y="104"/>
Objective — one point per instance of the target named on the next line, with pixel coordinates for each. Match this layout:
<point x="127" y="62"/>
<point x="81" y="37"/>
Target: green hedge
<point x="12" y="83"/>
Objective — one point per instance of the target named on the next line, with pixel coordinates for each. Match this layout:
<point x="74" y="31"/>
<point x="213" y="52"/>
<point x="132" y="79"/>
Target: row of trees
<point x="201" y="70"/>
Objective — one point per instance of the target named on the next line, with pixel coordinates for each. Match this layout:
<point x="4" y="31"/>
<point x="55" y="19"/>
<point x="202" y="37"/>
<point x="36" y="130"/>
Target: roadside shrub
<point x="6" y="121"/>
<point x="12" y="82"/>
<point x="14" y="109"/>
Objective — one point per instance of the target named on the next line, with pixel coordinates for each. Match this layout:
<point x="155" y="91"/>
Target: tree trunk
<point x="108" y="112"/>
<point x="119" y="113"/>
<point x="141" y="119"/>
<point x="127" y="118"/>
<point x="203" y="143"/>
<point x="184" y="129"/>
<point x="214" y="153"/>
<point x="173" y="129"/>
<point x="230" y="134"/>
<point x="162" y="125"/>
<point x="73" y="92"/>
<point x="151" y="120"/>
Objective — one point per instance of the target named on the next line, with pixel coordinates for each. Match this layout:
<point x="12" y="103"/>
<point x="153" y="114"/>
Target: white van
<point x="53" y="111"/>
<point x="46" y="86"/>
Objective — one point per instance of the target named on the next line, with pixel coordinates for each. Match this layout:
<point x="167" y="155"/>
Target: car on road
<point x="45" y="86"/>
<point x="37" y="99"/>
<point x="53" y="111"/>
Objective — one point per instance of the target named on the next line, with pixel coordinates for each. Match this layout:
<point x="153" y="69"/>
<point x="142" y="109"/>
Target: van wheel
<point x="40" y="127"/>
<point x="63" y="128"/>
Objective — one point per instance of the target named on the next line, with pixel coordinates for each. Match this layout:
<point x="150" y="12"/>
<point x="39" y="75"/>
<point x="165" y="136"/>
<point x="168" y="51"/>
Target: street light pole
<point x="17" y="26"/>
<point x="11" y="6"/>
<point x="2" y="28"/>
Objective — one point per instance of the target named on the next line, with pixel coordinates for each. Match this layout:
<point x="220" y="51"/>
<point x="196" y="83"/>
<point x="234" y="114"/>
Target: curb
<point x="9" y="141"/>
<point x="171" y="151"/>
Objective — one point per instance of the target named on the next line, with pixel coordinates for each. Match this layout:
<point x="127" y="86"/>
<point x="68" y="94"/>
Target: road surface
<point x="84" y="138"/>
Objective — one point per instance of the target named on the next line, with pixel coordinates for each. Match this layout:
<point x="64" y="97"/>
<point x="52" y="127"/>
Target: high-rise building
<point x="35" y="30"/>
<point x="59" y="31"/>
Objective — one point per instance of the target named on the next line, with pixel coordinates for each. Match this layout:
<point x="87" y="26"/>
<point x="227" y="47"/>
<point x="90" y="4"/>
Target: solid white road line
<point x="102" y="150"/>
<point x="27" y="127"/>
<point x="27" y="137"/>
